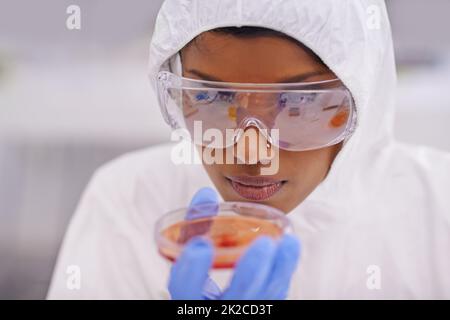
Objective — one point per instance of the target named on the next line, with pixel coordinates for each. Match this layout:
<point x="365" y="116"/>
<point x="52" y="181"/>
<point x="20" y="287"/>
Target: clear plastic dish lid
<point x="230" y="226"/>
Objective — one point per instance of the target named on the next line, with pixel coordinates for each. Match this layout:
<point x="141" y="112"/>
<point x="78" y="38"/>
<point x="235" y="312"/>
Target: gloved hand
<point x="263" y="272"/>
<point x="207" y="197"/>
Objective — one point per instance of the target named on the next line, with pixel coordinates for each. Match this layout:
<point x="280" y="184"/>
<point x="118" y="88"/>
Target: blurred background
<point x="71" y="100"/>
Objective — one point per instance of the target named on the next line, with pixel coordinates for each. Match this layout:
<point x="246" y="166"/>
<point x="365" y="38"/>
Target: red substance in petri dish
<point x="225" y="232"/>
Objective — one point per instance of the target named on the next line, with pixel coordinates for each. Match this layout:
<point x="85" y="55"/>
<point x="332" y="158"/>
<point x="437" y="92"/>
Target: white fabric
<point x="383" y="204"/>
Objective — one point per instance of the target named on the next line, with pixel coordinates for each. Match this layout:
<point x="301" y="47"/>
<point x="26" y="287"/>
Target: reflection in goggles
<point x="305" y="119"/>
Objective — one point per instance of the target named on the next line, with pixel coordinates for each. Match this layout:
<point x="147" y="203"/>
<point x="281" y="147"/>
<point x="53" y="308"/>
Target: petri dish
<point x="230" y="226"/>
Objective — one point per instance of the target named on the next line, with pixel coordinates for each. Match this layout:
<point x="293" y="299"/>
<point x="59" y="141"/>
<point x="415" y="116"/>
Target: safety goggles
<point x="291" y="116"/>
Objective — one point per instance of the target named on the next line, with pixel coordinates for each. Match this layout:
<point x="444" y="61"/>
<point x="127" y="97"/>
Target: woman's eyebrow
<point x="203" y="75"/>
<point x="302" y="77"/>
<point x="296" y="78"/>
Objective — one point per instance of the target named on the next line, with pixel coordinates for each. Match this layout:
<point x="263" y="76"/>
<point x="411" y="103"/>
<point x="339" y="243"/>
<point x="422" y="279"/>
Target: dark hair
<point x="247" y="31"/>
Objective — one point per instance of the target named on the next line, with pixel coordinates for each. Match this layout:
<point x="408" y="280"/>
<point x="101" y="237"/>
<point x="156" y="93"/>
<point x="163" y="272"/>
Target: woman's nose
<point x="253" y="147"/>
<point x="262" y="106"/>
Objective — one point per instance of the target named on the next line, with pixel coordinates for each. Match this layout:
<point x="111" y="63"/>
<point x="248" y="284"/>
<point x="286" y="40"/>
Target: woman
<point x="372" y="214"/>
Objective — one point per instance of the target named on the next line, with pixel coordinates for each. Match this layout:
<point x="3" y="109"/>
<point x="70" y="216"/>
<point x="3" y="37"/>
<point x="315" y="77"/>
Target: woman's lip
<point x="259" y="181"/>
<point x="255" y="188"/>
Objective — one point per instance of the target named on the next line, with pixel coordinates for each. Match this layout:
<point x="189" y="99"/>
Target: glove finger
<point x="285" y="264"/>
<point x="190" y="272"/>
<point x="205" y="203"/>
<point x="252" y="271"/>
<point x="204" y="195"/>
<point x="211" y="291"/>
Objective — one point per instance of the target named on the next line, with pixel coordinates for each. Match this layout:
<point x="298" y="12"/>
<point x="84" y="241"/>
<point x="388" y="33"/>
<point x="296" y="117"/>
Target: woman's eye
<point x="206" y="97"/>
<point x="295" y="98"/>
<point x="213" y="96"/>
<point x="225" y="96"/>
<point x="203" y="96"/>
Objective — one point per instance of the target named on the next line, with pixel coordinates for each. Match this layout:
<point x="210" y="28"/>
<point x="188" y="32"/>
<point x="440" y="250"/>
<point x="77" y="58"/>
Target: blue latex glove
<point x="263" y="272"/>
<point x="207" y="197"/>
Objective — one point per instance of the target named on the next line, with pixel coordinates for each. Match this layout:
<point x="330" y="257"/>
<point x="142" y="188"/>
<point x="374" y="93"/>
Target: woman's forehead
<point x="250" y="59"/>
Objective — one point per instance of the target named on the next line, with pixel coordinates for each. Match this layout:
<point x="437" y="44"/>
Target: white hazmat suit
<point x="377" y="227"/>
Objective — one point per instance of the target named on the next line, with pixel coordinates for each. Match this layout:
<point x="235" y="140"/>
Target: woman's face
<point x="261" y="59"/>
